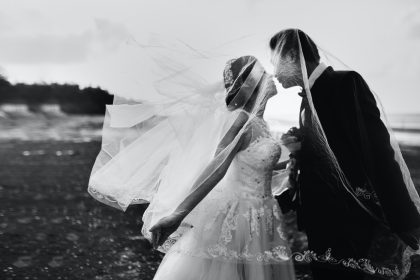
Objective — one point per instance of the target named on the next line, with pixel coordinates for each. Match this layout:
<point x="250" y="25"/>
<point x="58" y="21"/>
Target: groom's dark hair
<point x="287" y="38"/>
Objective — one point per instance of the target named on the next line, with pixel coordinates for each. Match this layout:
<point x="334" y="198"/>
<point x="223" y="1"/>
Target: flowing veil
<point x="154" y="147"/>
<point x="158" y="143"/>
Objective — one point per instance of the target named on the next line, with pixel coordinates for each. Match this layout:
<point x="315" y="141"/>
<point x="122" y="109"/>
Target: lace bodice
<point x="239" y="221"/>
<point x="253" y="167"/>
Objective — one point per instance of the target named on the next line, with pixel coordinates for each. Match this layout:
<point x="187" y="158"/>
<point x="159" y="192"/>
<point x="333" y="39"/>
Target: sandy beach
<point x="52" y="229"/>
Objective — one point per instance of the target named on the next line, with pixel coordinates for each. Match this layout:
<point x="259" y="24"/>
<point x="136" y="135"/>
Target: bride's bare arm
<point x="232" y="132"/>
<point x="208" y="179"/>
<point x="217" y="168"/>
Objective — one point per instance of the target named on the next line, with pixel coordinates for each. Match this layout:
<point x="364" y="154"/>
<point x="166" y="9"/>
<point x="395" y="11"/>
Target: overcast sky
<point x="85" y="41"/>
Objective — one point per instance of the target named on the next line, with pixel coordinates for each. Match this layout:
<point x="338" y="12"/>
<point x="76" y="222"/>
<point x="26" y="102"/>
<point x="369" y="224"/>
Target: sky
<point x="90" y="42"/>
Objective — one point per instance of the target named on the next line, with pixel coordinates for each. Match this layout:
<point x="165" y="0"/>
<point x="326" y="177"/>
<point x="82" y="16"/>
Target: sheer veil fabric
<point x="156" y="146"/>
<point x="294" y="66"/>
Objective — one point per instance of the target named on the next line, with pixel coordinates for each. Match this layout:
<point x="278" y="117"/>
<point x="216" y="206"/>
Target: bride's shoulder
<point x="243" y="118"/>
<point x="258" y="121"/>
<point x="258" y="126"/>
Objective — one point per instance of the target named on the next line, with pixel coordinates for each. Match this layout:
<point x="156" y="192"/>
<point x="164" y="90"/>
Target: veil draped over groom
<point x="184" y="104"/>
<point x="356" y="199"/>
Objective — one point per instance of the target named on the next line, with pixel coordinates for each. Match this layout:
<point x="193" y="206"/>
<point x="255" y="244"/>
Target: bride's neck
<point x="260" y="114"/>
<point x="261" y="111"/>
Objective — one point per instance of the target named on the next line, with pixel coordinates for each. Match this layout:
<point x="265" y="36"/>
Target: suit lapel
<point x="319" y="83"/>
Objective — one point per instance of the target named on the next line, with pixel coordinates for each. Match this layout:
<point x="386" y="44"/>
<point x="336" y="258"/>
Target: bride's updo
<point x="235" y="73"/>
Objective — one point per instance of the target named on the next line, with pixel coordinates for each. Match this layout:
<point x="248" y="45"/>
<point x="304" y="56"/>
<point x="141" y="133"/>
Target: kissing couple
<point x="209" y="167"/>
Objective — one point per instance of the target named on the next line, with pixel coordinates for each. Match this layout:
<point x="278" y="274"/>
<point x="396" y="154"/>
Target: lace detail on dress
<point x="238" y="231"/>
<point x="253" y="166"/>
<point x="254" y="215"/>
<point x="276" y="254"/>
<point x="229" y="224"/>
<point x="239" y="220"/>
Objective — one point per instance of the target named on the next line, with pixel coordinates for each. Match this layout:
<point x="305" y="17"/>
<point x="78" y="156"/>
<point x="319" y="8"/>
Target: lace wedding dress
<point x="241" y="235"/>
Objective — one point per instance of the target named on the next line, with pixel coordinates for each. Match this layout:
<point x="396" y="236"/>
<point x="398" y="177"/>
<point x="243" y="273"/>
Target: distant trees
<point x="71" y="98"/>
<point x="3" y="81"/>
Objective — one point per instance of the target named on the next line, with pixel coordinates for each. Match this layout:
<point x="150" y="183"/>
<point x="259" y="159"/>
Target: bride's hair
<point x="235" y="73"/>
<point x="290" y="46"/>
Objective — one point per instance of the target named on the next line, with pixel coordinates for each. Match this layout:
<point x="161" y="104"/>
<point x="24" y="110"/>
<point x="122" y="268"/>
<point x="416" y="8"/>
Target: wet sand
<point x="52" y="229"/>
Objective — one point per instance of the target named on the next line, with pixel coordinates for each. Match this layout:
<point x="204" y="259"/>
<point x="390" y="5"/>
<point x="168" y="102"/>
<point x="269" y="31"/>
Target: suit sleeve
<point x="385" y="172"/>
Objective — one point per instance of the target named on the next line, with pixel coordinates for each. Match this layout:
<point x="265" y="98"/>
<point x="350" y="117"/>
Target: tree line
<point x="71" y="98"/>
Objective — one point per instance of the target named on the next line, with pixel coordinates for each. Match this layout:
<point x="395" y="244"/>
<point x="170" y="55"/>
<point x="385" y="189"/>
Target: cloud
<point x="62" y="49"/>
<point x="45" y="49"/>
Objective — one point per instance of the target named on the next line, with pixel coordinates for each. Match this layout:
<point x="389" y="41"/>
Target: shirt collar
<point x="316" y="73"/>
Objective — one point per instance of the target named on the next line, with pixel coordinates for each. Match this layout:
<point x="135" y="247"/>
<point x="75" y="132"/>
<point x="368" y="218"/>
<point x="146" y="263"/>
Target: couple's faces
<point x="286" y="71"/>
<point x="268" y="86"/>
<point x="271" y="86"/>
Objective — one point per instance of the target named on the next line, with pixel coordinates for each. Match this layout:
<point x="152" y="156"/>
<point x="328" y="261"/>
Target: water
<point x="406" y="127"/>
<point x="51" y="124"/>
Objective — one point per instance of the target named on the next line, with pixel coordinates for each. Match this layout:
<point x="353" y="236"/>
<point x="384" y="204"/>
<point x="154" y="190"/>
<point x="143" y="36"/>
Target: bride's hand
<point x="164" y="228"/>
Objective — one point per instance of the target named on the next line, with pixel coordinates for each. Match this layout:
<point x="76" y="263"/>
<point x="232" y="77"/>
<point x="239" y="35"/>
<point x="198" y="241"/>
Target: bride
<point x="211" y="208"/>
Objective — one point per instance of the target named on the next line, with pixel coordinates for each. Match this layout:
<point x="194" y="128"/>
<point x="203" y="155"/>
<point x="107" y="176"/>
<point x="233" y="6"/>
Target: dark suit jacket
<point x="360" y="141"/>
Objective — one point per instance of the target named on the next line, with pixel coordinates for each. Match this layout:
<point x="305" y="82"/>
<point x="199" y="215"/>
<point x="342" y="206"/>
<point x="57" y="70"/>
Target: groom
<point x="338" y="228"/>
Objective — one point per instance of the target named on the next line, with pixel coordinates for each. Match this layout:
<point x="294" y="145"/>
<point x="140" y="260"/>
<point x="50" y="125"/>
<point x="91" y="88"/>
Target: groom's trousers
<point x="335" y="237"/>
